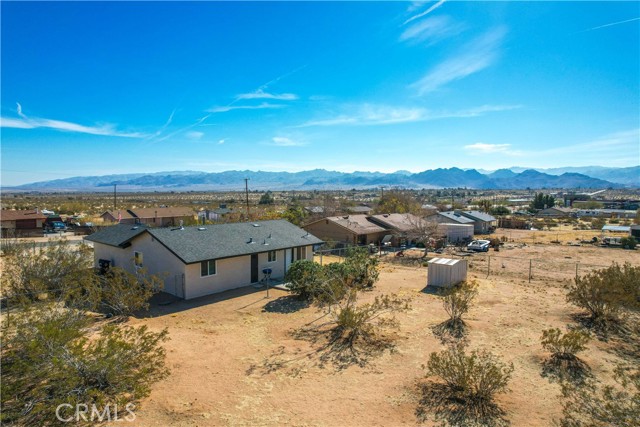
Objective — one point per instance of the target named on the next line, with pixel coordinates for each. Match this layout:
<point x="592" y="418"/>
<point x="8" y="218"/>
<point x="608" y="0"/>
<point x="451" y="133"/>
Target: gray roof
<point x="477" y="215"/>
<point x="191" y="244"/>
<point x="622" y="228"/>
<point x="456" y="217"/>
<point x="117" y="235"/>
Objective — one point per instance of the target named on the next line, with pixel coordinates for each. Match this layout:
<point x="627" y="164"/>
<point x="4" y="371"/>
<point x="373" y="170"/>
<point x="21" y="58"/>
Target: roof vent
<point x="265" y="242"/>
<point x="135" y="228"/>
<point x="256" y="225"/>
<point x="202" y="228"/>
<point x="269" y="235"/>
<point x="250" y="240"/>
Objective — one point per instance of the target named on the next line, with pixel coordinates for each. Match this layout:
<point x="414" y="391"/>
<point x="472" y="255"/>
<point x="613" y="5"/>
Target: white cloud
<point x="227" y="108"/>
<point x="35" y="122"/>
<point x="260" y="94"/>
<point x="222" y="141"/>
<point x="432" y="30"/>
<point x="286" y="142"/>
<point x="372" y="114"/>
<point x="474" y="57"/>
<point x="194" y="134"/>
<point x="426" y="12"/>
<point x="482" y="148"/>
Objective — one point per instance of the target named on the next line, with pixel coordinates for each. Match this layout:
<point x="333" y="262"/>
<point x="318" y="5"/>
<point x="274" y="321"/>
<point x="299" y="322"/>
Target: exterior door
<point x="254" y="268"/>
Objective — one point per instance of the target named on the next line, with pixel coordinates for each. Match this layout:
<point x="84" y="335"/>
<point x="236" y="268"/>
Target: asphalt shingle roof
<point x="192" y="244"/>
<point x="477" y="215"/>
<point x="397" y="221"/>
<point x="358" y="224"/>
<point x="116" y="235"/>
<point x="11" y="215"/>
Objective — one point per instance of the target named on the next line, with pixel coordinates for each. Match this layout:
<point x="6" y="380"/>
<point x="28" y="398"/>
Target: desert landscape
<point x="236" y="360"/>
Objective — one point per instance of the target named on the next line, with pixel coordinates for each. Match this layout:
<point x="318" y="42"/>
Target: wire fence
<point x="482" y="263"/>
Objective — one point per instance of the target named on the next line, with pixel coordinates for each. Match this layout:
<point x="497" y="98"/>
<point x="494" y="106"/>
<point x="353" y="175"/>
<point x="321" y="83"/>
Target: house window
<point x="208" y="268"/>
<point x="137" y="259"/>
<point x="271" y="256"/>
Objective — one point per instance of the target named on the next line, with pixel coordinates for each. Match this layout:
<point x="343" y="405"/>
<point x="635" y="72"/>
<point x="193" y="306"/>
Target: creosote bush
<point x="564" y="346"/>
<point x="457" y="300"/>
<point x="604" y="293"/>
<point x="53" y="356"/>
<point x="474" y="378"/>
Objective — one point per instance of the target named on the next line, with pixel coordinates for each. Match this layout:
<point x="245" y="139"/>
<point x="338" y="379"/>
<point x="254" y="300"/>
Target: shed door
<point x="254" y="268"/>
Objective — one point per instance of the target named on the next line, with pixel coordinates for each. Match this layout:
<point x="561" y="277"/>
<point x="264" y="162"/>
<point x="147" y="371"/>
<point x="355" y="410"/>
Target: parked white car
<point x="479" y="245"/>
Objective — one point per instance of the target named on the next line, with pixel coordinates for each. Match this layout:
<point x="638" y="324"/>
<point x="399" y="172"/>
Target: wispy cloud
<point x="261" y="94"/>
<point x="224" y="109"/>
<point x="482" y="148"/>
<point x="286" y="142"/>
<point x="195" y="135"/>
<point x="432" y="30"/>
<point x="426" y="12"/>
<point x="372" y="114"/>
<point x="222" y="141"/>
<point x="474" y="57"/>
<point x="25" y="122"/>
<point x="609" y="25"/>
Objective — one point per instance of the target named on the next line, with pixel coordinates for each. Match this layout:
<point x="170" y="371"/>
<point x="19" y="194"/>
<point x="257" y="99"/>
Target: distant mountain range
<point x="593" y="177"/>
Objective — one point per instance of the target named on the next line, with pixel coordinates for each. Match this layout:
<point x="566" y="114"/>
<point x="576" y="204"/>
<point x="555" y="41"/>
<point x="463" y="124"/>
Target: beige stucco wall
<point x="119" y="257"/>
<point x="231" y="273"/>
<point x="326" y="230"/>
<point x="160" y="261"/>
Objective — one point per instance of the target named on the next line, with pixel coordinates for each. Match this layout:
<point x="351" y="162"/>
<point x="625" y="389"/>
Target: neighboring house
<point x="21" y="223"/>
<point x="196" y="261"/>
<point x="555" y="212"/>
<point x="214" y="214"/>
<point x="483" y="223"/>
<point x="314" y="210"/>
<point x="350" y="229"/>
<point x="402" y="226"/>
<point x="454" y="217"/>
<point x="159" y="217"/>
<point x="362" y="209"/>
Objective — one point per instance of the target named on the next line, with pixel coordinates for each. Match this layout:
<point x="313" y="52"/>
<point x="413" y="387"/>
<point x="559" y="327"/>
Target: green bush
<point x="628" y="242"/>
<point x="53" y="356"/>
<point x="564" y="346"/>
<point x="474" y="378"/>
<point x="457" y="300"/>
<point x="305" y="279"/>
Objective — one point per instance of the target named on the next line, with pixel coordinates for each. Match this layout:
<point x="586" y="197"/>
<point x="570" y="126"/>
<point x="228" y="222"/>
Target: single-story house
<point x="202" y="260"/>
<point x="21" y="223"/>
<point x="350" y="229"/>
<point x="403" y="226"/>
<point x="159" y="217"/>
<point x="214" y="214"/>
<point x="454" y="217"/>
<point x="362" y="209"/>
<point x="483" y="223"/>
<point x="555" y="212"/>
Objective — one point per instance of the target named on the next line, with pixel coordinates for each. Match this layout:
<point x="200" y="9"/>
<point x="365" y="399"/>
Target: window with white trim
<point x="137" y="259"/>
<point x="208" y="268"/>
<point x="271" y="256"/>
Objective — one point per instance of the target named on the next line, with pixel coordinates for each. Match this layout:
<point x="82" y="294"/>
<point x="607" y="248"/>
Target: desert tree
<point x="397" y="201"/>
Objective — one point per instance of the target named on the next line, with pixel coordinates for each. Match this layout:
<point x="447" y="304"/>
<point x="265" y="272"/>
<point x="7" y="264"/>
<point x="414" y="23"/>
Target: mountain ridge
<point x="324" y="179"/>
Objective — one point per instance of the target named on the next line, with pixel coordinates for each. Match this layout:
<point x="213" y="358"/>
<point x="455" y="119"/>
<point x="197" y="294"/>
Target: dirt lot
<point x="234" y="361"/>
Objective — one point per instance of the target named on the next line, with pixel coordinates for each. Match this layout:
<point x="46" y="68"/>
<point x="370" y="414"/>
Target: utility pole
<point x="114" y="197"/>
<point x="246" y="190"/>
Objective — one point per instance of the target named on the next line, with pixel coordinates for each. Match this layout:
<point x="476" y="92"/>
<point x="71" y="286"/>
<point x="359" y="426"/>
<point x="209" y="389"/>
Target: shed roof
<point x="444" y="261"/>
<point x="195" y="244"/>
<point x="622" y="228"/>
<point x="117" y="235"/>
<point x="12" y="215"/>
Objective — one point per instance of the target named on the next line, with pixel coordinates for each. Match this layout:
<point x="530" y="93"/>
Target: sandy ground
<point x="234" y="361"/>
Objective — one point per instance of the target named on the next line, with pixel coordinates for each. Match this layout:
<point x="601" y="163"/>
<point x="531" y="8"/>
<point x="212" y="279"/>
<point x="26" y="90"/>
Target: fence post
<point x="489" y="266"/>
<point x="320" y="258"/>
<point x="529" y="271"/>
<point x="577" y="270"/>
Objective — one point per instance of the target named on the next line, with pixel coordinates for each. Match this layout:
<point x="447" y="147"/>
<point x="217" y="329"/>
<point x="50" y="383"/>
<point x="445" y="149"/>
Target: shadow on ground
<point x="441" y="402"/>
<point x="285" y="304"/>
<point x="566" y="369"/>
<point x="451" y="331"/>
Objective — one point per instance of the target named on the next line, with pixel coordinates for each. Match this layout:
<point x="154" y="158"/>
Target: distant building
<point x="362" y="209"/>
<point x="555" y="212"/>
<point x="349" y="229"/>
<point x="483" y="223"/>
<point x="158" y="217"/>
<point x="21" y="223"/>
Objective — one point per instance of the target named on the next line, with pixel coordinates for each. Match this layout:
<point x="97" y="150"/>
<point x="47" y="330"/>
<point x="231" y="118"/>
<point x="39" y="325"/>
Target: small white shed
<point x="446" y="272"/>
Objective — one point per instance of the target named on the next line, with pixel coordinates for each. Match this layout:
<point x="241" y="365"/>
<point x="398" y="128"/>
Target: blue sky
<point x="99" y="88"/>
